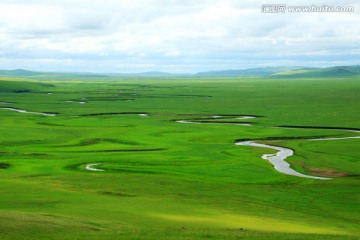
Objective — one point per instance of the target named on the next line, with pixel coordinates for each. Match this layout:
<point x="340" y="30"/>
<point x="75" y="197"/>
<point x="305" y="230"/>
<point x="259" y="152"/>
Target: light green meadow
<point x="168" y="180"/>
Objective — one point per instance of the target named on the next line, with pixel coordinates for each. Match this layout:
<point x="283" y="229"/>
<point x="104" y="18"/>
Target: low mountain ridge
<point x="338" y="71"/>
<point x="246" y="72"/>
<point x="279" y="72"/>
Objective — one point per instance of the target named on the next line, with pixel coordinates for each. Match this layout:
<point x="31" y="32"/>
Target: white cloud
<point x="174" y="53"/>
<point x="171" y="35"/>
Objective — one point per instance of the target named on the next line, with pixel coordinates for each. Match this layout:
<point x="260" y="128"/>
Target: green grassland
<point x="168" y="180"/>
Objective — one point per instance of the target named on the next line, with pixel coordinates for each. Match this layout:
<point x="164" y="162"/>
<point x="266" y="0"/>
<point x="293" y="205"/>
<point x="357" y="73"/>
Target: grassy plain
<point x="167" y="180"/>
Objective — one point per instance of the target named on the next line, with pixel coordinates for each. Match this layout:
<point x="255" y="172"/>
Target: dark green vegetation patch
<point x="4" y="165"/>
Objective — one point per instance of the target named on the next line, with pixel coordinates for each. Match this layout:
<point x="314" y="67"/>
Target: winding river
<point x="80" y="102"/>
<point x="207" y="120"/>
<point x="277" y="159"/>
<point x="90" y="167"/>
<point x="337" y="138"/>
<point x="25" y="111"/>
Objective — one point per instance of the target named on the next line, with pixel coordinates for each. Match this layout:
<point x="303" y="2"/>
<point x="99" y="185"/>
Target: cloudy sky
<point x="172" y="35"/>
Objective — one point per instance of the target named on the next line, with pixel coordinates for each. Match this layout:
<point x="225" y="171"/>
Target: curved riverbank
<point x="143" y="114"/>
<point x="354" y="130"/>
<point x="214" y="120"/>
<point x="278" y="159"/>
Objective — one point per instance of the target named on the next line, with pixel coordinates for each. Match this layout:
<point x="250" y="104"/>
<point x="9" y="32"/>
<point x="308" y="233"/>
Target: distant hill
<point x="24" y="87"/>
<point x="154" y="73"/>
<point x="27" y="73"/>
<point x="278" y="72"/>
<point x="246" y="72"/>
<point x="19" y="73"/>
<point x="77" y="75"/>
<point x="339" y="71"/>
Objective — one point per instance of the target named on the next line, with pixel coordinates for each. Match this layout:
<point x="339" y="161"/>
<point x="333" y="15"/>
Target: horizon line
<point x="176" y="73"/>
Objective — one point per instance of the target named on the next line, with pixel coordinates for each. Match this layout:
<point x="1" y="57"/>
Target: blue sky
<point x="176" y="36"/>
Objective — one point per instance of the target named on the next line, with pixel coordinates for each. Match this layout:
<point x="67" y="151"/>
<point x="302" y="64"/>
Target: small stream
<point x="90" y="167"/>
<point x="25" y="111"/>
<point x="207" y="120"/>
